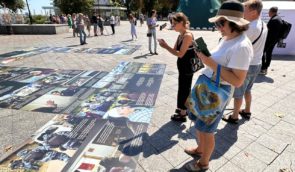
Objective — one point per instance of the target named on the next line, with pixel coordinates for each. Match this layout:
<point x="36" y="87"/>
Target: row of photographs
<point x="101" y="123"/>
<point x="120" y="49"/>
<point x="77" y="92"/>
<point x="68" y="143"/>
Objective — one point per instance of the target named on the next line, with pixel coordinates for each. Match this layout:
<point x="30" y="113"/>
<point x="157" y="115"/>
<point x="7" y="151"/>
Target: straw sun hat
<point x="232" y="11"/>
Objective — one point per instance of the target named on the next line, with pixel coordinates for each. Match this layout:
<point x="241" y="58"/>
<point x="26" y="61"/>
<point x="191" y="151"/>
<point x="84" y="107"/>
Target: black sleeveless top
<point x="184" y="65"/>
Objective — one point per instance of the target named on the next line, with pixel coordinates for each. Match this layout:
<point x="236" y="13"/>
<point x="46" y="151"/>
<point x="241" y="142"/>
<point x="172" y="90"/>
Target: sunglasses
<point x="220" y="23"/>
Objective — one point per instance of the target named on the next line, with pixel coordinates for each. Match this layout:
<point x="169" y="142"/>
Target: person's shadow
<point x="161" y="140"/>
<point x="263" y="78"/>
<point x="143" y="56"/>
<point x="225" y="138"/>
<point x="128" y="40"/>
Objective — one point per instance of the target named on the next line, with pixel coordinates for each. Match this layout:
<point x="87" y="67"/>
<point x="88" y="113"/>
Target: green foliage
<point x="14" y="5"/>
<point x="74" y="6"/>
<point x="117" y="3"/>
<point x="162" y="6"/>
<point x="39" y="19"/>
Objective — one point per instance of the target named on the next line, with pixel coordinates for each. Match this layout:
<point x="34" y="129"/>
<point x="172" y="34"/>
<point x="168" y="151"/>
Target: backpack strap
<point x="259" y="34"/>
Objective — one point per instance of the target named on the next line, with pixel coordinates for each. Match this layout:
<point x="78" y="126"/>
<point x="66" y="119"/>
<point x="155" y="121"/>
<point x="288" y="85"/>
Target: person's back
<point x="80" y="22"/>
<point x="255" y="30"/>
<point x="100" y="22"/>
<point x="94" y="19"/>
<point x="112" y="20"/>
<point x="274" y="26"/>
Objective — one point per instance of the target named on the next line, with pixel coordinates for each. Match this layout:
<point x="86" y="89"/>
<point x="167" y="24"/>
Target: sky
<point x="36" y="6"/>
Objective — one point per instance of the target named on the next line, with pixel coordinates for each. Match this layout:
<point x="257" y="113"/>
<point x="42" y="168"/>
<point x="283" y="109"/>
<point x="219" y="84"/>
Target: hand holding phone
<point x="160" y="40"/>
<point x="200" y="45"/>
<point x="163" y="26"/>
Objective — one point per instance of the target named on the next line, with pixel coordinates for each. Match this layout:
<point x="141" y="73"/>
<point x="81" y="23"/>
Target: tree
<point x="146" y="6"/>
<point x="74" y="6"/>
<point x="30" y="16"/>
<point x="14" y="5"/>
<point x="117" y="3"/>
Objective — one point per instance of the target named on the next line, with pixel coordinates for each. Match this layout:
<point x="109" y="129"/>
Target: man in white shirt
<point x="112" y="23"/>
<point x="257" y="33"/>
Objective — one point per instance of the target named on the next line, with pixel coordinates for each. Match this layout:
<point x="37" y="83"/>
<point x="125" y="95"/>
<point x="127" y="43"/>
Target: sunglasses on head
<point x="220" y="23"/>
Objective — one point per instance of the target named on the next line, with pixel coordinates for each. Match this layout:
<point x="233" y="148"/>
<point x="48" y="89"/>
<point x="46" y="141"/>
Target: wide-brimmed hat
<point x="232" y="11"/>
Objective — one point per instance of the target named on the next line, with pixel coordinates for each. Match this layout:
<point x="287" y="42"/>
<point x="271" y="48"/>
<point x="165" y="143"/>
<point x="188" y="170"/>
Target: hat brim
<point x="237" y="20"/>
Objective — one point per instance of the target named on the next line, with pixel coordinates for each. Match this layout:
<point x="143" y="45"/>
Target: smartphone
<point x="201" y="46"/>
<point x="163" y="26"/>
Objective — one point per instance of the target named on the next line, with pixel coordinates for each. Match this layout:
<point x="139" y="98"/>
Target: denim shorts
<point x="249" y="81"/>
<point x="203" y="127"/>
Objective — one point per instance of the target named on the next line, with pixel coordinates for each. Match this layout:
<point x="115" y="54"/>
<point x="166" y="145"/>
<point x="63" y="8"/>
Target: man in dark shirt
<point x="94" y="22"/>
<point x="274" y="26"/>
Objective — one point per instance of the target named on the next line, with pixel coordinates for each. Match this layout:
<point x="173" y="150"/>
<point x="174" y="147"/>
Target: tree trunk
<point x="30" y="16"/>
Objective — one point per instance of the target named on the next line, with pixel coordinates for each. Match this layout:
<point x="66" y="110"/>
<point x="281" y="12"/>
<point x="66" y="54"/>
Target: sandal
<point x="230" y="120"/>
<point x="177" y="111"/>
<point x="246" y="115"/>
<point x="193" y="152"/>
<point x="193" y="166"/>
<point x="178" y="117"/>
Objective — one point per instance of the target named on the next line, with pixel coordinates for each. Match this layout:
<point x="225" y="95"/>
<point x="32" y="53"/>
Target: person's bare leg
<point x="200" y="147"/>
<point x="248" y="99"/>
<point x="237" y="106"/>
<point x="209" y="144"/>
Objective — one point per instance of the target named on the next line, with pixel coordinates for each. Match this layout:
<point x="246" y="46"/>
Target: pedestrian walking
<point x="274" y="26"/>
<point x="94" y="22"/>
<point x="112" y="23"/>
<point x="133" y="29"/>
<point x="81" y="26"/>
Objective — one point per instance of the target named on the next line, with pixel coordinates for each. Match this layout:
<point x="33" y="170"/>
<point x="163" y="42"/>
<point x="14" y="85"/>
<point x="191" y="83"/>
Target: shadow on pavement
<point x="129" y="40"/>
<point x="182" y="169"/>
<point x="161" y="140"/>
<point x="225" y="138"/>
<point x="77" y="45"/>
<point x="283" y="57"/>
<point x="263" y="78"/>
<point x="143" y="56"/>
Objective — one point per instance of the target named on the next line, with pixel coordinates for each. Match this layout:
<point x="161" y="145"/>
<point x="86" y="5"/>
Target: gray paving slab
<point x="265" y="143"/>
<point x="229" y="167"/>
<point x="248" y="162"/>
<point x="284" y="162"/>
<point x="271" y="143"/>
<point x="261" y="152"/>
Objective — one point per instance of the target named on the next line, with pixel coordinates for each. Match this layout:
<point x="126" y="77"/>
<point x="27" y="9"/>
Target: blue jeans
<point x="82" y="37"/>
<point x="153" y="32"/>
<point x="248" y="82"/>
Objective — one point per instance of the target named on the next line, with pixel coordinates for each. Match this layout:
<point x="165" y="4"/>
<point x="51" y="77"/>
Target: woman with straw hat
<point x="233" y="53"/>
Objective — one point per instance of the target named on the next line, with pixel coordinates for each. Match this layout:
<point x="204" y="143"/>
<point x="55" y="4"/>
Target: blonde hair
<point x="254" y="5"/>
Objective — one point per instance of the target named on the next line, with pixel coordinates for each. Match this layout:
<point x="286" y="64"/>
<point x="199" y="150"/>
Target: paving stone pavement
<point x="265" y="143"/>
